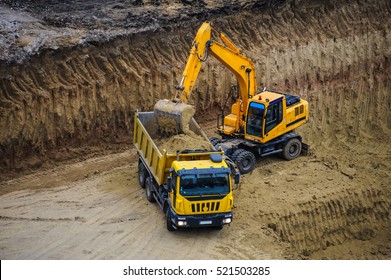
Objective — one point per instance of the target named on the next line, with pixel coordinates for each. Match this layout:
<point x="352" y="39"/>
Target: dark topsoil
<point x="27" y="27"/>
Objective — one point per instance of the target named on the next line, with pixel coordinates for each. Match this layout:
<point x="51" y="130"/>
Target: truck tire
<point x="170" y="225"/>
<point x="142" y="174"/>
<point x="149" y="189"/>
<point x="220" y="227"/>
<point x="292" y="149"/>
<point x="244" y="160"/>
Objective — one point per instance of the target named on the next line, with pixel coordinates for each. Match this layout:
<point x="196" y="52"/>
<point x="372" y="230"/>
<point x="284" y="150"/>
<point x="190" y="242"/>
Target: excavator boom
<point x="229" y="55"/>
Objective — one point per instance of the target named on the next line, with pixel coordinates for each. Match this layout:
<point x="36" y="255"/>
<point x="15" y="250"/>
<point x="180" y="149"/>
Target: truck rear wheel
<point x="292" y="149"/>
<point x="149" y="189"/>
<point x="142" y="174"/>
<point x="244" y="160"/>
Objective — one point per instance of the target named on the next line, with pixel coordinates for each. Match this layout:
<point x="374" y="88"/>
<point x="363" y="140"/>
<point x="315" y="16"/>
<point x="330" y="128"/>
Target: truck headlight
<point x="227" y="220"/>
<point x="182" y="223"/>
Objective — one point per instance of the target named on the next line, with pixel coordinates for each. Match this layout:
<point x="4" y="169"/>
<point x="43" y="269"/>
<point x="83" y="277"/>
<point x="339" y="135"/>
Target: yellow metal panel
<point x="228" y="129"/>
<point x="230" y="120"/>
<point x="267" y="95"/>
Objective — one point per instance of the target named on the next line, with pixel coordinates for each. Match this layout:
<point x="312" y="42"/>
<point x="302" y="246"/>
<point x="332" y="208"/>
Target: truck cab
<point x="200" y="193"/>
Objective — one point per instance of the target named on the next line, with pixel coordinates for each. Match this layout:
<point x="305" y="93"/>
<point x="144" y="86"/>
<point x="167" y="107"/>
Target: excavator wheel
<point x="244" y="160"/>
<point x="292" y="149"/>
<point x="214" y="141"/>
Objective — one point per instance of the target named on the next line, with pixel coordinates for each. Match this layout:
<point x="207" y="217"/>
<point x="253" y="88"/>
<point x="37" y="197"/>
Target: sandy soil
<point x="312" y="208"/>
<point x="58" y="91"/>
<point x="90" y="213"/>
<point x="70" y="83"/>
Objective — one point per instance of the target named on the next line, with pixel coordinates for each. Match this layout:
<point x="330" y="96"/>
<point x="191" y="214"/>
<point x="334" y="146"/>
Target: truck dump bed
<point x="158" y="160"/>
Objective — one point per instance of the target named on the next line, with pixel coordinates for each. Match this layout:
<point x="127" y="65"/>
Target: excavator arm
<point x="227" y="53"/>
<point x="174" y="116"/>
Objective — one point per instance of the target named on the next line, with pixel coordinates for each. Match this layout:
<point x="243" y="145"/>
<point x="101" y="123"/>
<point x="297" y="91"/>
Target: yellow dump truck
<point x="192" y="187"/>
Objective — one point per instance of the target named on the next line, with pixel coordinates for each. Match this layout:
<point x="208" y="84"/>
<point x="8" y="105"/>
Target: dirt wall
<point x="61" y="90"/>
<point x="336" y="54"/>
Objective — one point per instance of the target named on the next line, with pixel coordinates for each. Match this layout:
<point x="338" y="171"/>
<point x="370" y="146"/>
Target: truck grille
<point x="205" y="206"/>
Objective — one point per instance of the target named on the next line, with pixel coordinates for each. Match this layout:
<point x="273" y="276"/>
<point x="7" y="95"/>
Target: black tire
<point x="170" y="225"/>
<point x="235" y="154"/>
<point x="142" y="174"/>
<point x="244" y="160"/>
<point x="292" y="149"/>
<point x="149" y="190"/>
<point x="220" y="227"/>
<point x="214" y="140"/>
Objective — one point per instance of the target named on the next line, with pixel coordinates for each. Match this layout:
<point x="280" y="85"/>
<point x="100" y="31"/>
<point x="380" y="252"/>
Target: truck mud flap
<point x="305" y="149"/>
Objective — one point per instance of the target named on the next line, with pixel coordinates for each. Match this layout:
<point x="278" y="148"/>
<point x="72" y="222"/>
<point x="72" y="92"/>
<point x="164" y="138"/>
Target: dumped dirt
<point x="307" y="209"/>
<point x="173" y="118"/>
<point x="181" y="142"/>
<point x="70" y="80"/>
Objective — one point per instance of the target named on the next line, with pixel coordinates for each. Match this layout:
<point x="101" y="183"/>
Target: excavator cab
<point x="255" y="118"/>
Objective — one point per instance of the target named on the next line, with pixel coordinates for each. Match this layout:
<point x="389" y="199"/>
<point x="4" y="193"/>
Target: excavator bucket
<point x="173" y="117"/>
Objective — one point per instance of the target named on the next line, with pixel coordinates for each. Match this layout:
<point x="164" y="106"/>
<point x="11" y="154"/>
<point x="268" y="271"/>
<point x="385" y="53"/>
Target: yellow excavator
<point x="261" y="122"/>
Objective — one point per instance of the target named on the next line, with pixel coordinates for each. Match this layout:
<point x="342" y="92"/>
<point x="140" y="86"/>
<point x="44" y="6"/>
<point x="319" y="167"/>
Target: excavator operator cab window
<point x="273" y="115"/>
<point x="255" y="119"/>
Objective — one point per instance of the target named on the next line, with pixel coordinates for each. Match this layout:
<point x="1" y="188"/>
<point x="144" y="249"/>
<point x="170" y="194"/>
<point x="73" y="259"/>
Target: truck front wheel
<point x="149" y="189"/>
<point x="220" y="227"/>
<point x="292" y="149"/>
<point x="170" y="225"/>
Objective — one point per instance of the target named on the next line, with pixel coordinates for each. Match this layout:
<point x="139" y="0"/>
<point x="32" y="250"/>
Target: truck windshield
<point x="204" y="184"/>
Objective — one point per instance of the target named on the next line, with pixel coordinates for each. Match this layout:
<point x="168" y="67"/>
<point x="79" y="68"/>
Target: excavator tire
<point x="244" y="160"/>
<point x="214" y="140"/>
<point x="292" y="149"/>
<point x="142" y="174"/>
<point x="235" y="154"/>
<point x="148" y="189"/>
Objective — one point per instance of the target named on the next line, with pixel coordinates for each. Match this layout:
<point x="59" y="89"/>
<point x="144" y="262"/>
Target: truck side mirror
<point x="169" y="183"/>
<point x="236" y="177"/>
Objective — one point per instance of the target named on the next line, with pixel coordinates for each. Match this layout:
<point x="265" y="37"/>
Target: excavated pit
<point x="81" y="83"/>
